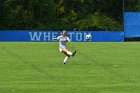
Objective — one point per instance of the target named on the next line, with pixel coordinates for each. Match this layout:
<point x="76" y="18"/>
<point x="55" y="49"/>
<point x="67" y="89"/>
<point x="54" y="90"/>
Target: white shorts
<point x="61" y="48"/>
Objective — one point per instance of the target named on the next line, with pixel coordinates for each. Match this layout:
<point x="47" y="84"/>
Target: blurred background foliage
<point x="64" y="14"/>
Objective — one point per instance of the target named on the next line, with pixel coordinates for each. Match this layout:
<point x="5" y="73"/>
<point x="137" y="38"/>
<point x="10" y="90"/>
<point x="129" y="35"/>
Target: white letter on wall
<point x="35" y="36"/>
<point x="47" y="35"/>
<point x="78" y="36"/>
<point x="71" y="35"/>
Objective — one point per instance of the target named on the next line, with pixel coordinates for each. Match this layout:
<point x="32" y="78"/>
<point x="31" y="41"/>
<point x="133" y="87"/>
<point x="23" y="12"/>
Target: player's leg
<point x="66" y="59"/>
<point x="67" y="53"/>
<point x="74" y="53"/>
<point x="64" y="50"/>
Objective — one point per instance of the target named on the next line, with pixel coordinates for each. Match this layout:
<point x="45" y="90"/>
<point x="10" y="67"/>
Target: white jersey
<point x="62" y="41"/>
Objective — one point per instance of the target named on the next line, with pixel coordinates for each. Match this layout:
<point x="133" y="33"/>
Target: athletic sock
<point x="69" y="53"/>
<point x="66" y="59"/>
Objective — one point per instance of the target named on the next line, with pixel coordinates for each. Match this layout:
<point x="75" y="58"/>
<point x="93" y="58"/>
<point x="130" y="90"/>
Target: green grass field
<point x="96" y="68"/>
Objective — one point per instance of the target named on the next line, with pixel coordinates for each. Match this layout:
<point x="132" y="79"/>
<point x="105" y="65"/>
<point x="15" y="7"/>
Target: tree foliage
<point x="62" y="14"/>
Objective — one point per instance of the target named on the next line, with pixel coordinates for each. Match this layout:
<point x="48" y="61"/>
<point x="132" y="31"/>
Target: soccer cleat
<point x="73" y="54"/>
<point x="64" y="63"/>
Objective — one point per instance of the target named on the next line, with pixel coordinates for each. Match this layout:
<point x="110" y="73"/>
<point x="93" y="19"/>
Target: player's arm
<point x="54" y="38"/>
<point x="68" y="39"/>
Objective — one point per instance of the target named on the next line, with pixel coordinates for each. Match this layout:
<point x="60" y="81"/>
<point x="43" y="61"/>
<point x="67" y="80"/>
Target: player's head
<point x="64" y="33"/>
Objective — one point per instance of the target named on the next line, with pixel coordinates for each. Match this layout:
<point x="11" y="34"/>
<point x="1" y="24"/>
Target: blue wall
<point x="132" y="24"/>
<point x="46" y="36"/>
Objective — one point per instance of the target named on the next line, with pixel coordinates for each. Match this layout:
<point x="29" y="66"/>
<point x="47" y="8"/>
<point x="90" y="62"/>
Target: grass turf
<point x="96" y="68"/>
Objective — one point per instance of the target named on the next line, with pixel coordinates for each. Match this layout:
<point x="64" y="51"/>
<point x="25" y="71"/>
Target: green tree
<point x="63" y="14"/>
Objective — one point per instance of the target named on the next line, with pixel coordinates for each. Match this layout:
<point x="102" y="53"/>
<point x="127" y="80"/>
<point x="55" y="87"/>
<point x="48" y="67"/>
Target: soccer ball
<point x="88" y="37"/>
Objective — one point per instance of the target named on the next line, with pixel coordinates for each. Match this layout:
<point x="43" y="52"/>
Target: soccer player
<point x="63" y="39"/>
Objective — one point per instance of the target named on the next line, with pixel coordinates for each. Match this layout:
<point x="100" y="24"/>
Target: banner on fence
<point x="47" y="36"/>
